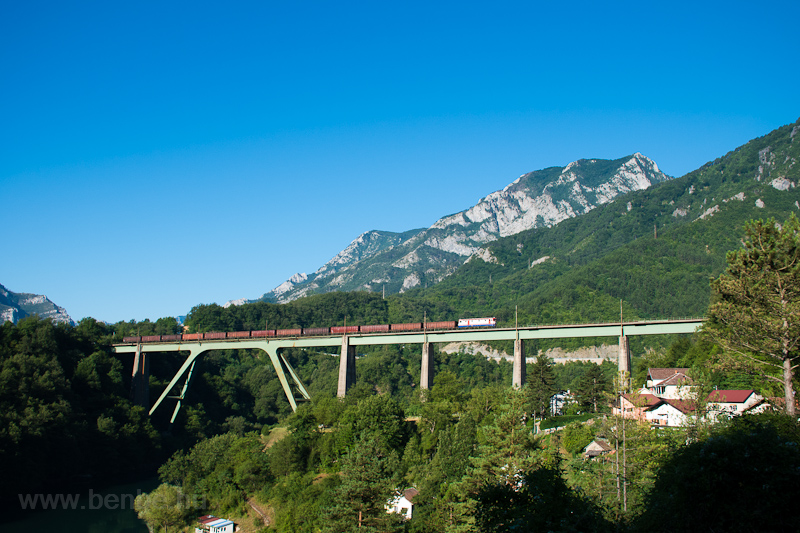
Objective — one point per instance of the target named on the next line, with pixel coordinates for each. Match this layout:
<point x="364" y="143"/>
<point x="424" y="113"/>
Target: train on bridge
<point x="486" y="322"/>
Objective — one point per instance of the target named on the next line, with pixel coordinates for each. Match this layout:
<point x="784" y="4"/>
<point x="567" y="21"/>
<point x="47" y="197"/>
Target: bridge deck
<point x="272" y="346"/>
<point x="660" y="327"/>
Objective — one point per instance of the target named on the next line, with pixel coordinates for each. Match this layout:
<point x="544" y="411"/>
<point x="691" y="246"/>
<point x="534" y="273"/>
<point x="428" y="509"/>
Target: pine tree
<point x="369" y="472"/>
<point x="756" y="317"/>
<point x="592" y="388"/>
<point x="540" y="386"/>
<point x="508" y="451"/>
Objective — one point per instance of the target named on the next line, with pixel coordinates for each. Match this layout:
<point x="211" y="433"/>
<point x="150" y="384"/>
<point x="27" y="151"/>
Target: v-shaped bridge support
<point x="279" y="363"/>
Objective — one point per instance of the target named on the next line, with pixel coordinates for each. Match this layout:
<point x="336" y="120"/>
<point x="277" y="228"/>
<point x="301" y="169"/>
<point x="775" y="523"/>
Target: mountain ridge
<point x="397" y="262"/>
<point x="656" y="249"/>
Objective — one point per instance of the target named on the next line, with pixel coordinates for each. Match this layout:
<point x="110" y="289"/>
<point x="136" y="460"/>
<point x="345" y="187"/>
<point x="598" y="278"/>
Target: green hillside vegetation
<point x="467" y="443"/>
<point x="65" y="416"/>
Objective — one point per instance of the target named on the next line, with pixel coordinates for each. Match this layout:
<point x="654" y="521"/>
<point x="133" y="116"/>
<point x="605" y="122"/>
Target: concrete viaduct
<point x="349" y="342"/>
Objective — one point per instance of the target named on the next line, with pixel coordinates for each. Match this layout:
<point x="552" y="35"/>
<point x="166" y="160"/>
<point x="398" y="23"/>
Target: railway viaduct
<point x="349" y="342"/>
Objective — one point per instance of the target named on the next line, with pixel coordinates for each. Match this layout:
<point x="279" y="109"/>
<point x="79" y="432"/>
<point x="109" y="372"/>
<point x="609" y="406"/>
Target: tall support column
<point x="624" y="364"/>
<point x="426" y="373"/>
<point x="519" y="375"/>
<point x="347" y="368"/>
<point x="140" y="382"/>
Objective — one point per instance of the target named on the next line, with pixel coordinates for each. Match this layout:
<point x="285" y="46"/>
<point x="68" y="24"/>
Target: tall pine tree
<point x="540" y="386"/>
<point x="369" y="474"/>
<point x="756" y="315"/>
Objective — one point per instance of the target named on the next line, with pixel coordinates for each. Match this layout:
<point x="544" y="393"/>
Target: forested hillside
<point x="65" y="416"/>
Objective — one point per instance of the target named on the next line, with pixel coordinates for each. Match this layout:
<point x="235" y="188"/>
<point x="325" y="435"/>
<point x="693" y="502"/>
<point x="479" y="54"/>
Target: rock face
<point x="590" y="354"/>
<point x="397" y="262"/>
<point x="15" y="306"/>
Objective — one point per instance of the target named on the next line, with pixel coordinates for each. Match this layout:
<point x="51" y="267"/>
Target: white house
<point x="559" y="401"/>
<point x="403" y="503"/>
<point x="670" y="413"/>
<point x="722" y="403"/>
<point x="212" y="524"/>
<point x="670" y="383"/>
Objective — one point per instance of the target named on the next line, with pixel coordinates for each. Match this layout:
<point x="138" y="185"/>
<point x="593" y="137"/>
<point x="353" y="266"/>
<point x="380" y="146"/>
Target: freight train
<point x="303" y="332"/>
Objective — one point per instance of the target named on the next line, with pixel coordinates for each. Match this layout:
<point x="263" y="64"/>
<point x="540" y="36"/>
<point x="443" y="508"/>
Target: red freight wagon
<point x="380" y="328"/>
<point x="238" y="334"/>
<point x="151" y="338"/>
<point x="296" y="332"/>
<point x="338" y="330"/>
<point x="214" y="335"/>
<point x="316" y="331"/>
<point x="170" y="337"/>
<point x="131" y="339"/>
<point x="448" y="324"/>
<point x="192" y="336"/>
<point x="263" y="333"/>
<point x="406" y="327"/>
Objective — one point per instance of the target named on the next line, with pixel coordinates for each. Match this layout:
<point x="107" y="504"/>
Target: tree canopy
<point x="756" y="314"/>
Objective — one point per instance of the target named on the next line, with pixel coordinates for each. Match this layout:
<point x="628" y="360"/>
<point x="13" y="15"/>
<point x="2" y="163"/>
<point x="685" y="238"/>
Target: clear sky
<point x="159" y="155"/>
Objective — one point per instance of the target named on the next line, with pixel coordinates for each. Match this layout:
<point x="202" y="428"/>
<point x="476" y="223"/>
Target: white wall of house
<point x="667" y="416"/>
<point x="724" y="409"/>
<point x="401" y="505"/>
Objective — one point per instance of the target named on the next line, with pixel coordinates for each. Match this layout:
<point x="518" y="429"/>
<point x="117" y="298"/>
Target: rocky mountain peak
<point x="543" y="198"/>
<point x="15" y="306"/>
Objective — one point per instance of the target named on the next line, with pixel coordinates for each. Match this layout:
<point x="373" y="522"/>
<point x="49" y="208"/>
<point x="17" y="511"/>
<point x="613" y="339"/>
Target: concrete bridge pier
<point x="519" y="372"/>
<point x="347" y="368"/>
<point x="140" y="382"/>
<point x="624" y="364"/>
<point x="427" y="373"/>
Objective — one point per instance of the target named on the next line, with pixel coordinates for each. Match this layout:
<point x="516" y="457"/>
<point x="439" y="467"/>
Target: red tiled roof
<point x="660" y="374"/>
<point x="642" y="400"/>
<point x="684" y="406"/>
<point x="674" y="379"/>
<point x="730" y="396"/>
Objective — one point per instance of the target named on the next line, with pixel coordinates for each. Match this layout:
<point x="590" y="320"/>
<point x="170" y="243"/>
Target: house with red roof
<point x="645" y="406"/>
<point x="727" y="403"/>
<point x="673" y="383"/>
<point x="670" y="413"/>
<point x="635" y="405"/>
<point x="665" y="400"/>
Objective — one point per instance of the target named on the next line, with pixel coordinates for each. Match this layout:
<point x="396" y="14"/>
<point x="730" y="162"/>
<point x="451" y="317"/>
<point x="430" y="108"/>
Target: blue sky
<point x="159" y="155"/>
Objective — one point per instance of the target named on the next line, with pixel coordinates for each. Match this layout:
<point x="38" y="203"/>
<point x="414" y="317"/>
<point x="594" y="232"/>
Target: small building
<point x="403" y="503"/>
<point x="596" y="448"/>
<point x="212" y="524"/>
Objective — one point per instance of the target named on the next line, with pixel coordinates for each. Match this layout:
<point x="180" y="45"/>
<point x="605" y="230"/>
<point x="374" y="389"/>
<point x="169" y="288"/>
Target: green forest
<point x="482" y="455"/>
<point x="469" y="444"/>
